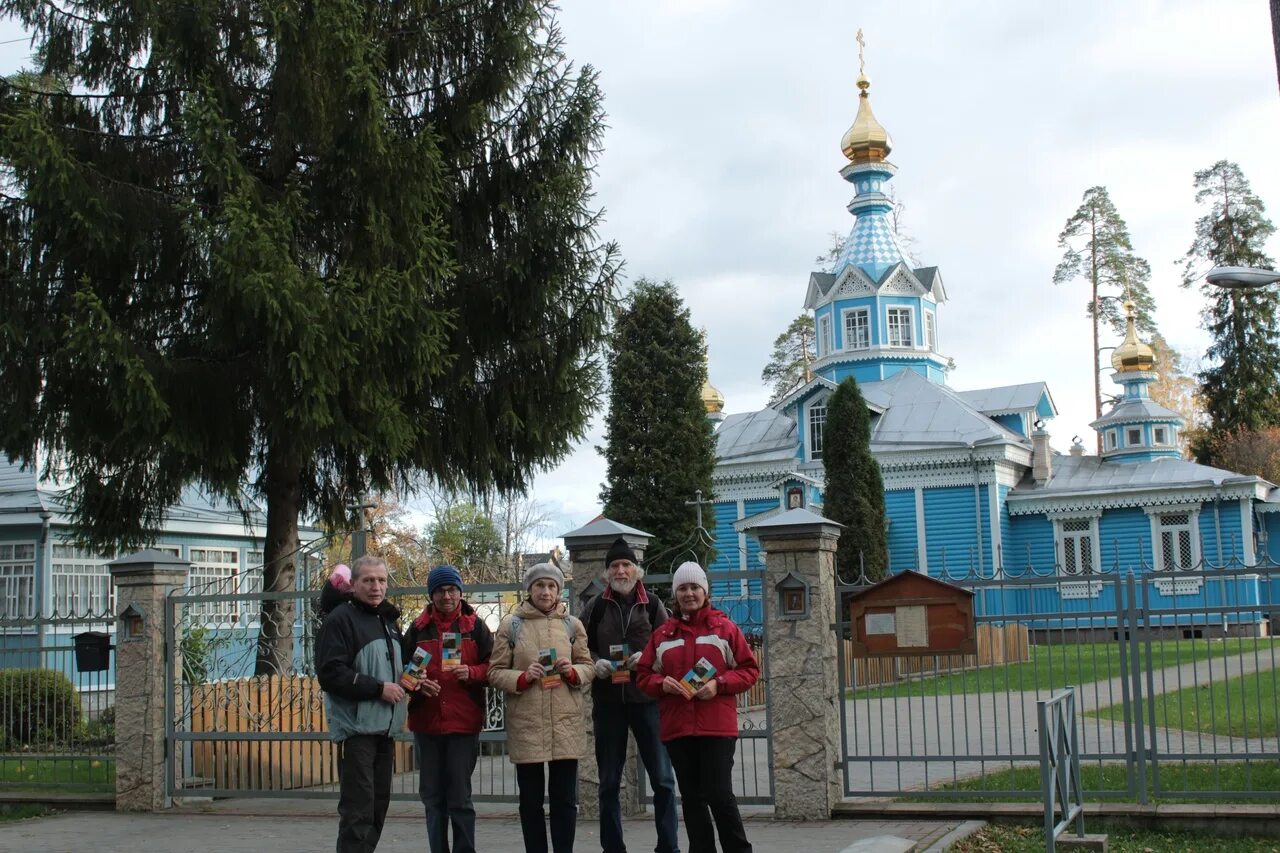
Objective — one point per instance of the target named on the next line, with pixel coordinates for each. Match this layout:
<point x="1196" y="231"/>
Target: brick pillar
<point x="142" y="583"/>
<point x="801" y="661"/>
<point x="587" y="547"/>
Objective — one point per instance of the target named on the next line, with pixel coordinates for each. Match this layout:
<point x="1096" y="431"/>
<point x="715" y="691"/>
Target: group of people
<point x="670" y="679"/>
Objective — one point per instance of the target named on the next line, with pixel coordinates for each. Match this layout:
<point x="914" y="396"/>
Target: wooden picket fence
<point x="997" y="645"/>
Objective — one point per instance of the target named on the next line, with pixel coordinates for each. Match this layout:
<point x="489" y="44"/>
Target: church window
<point x="899" y="327"/>
<point x="1133" y="436"/>
<point x="1111" y="439"/>
<point x="17" y="580"/>
<point x="1176" y="541"/>
<point x="930" y="333"/>
<point x="857" y="329"/>
<point x="824" y="335"/>
<point x="1076" y="540"/>
<point x="1159" y="435"/>
<point x="817" y="420"/>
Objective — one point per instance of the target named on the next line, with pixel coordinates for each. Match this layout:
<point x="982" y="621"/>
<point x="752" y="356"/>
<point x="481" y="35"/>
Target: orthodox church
<point x="972" y="487"/>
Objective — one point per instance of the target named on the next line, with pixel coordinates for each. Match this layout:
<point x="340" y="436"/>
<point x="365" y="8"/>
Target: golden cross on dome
<point x="862" y="43"/>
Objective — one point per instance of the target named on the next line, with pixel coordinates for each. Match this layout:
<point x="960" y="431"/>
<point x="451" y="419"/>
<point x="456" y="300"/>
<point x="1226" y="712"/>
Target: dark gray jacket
<point x="618" y="623"/>
<point x="357" y="650"/>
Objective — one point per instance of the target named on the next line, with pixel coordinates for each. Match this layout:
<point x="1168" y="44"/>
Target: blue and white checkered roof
<point x="872" y="246"/>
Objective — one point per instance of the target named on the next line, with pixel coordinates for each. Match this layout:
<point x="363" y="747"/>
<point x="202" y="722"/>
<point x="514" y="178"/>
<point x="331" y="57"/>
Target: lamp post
<point x="1241" y="278"/>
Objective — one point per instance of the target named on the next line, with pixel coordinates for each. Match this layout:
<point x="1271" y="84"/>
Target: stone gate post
<point x="142" y="582"/>
<point x="800" y="654"/>
<point x="587" y="547"/>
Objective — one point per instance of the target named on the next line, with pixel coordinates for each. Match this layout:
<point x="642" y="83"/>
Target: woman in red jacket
<point x="447" y="710"/>
<point x="699" y="721"/>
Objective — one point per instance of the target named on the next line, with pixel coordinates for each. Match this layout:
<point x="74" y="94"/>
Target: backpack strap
<point x="513" y="631"/>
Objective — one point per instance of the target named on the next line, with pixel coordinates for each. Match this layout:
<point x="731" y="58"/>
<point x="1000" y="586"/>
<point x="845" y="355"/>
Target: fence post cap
<point x="796" y="521"/>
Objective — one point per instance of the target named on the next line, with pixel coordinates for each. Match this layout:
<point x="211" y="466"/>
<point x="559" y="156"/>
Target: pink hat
<point x="341" y="577"/>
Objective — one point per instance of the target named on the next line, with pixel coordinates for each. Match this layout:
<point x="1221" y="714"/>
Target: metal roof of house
<point x="1006" y="398"/>
<point x="1074" y="474"/>
<point x="762" y="436"/>
<point x="920" y="413"/>
<point x="1136" y="411"/>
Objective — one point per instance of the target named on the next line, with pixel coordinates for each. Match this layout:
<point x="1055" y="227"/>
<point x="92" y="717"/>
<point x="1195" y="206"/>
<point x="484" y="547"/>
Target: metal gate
<point x="1175" y="675"/>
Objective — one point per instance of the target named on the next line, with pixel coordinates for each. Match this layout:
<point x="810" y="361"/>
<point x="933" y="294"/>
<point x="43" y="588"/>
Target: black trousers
<point x="444" y="783"/>
<point x="365" y="763"/>
<point x="704" y="769"/>
<point x="561" y="784"/>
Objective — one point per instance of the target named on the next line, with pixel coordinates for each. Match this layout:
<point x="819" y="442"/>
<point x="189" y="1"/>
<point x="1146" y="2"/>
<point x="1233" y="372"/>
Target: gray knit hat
<point x="543" y="570"/>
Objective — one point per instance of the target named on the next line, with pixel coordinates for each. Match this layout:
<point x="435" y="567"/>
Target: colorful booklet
<point x="416" y="669"/>
<point x="551" y="678"/>
<point x="702" y="672"/>
<point x="618" y="655"/>
<point x="450" y="649"/>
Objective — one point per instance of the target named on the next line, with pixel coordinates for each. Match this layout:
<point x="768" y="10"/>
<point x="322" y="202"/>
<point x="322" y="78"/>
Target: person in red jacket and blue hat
<point x="447" y="710"/>
<point x="698" y="714"/>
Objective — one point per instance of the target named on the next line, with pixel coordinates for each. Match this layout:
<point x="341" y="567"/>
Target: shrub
<point x="100" y="732"/>
<point x="37" y="706"/>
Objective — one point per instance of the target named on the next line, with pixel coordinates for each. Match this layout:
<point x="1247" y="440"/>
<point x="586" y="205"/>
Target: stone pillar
<point x="142" y="583"/>
<point x="801" y="665"/>
<point x="587" y="547"/>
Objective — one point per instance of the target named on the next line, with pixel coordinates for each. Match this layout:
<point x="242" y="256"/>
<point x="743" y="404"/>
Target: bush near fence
<point x="997" y="645"/>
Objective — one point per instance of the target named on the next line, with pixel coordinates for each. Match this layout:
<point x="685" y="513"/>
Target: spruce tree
<point x="293" y="253"/>
<point x="1096" y="248"/>
<point x="659" y="444"/>
<point x="1241" y="388"/>
<point x="854" y="491"/>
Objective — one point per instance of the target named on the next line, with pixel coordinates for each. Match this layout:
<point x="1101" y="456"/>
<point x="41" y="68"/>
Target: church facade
<point x="972" y="487"/>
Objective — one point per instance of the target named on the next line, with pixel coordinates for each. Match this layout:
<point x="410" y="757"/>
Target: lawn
<point x="1025" y="839"/>
<point x="21" y="812"/>
<point x="1057" y="666"/>
<point x="57" y="774"/>
<point x="1238" y="707"/>
<point x="1185" y="779"/>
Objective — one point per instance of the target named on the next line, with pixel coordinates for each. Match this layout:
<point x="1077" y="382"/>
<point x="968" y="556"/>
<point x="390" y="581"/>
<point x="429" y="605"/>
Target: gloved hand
<point x="603" y="668"/>
<point x="633" y="661"/>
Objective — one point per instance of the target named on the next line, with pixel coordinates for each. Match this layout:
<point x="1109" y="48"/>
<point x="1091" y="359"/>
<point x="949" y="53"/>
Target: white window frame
<point x="17" y="580"/>
<point x="826" y="342"/>
<point x="1111" y="439"/>
<point x="1162" y="523"/>
<point x="1128" y="437"/>
<point x="910" y="327"/>
<point x="215" y="570"/>
<point x="855" y="314"/>
<point x="1160" y="435"/>
<point x="813" y="440"/>
<point x="81" y="582"/>
<point x="930" y="331"/>
<point x="1072" y="550"/>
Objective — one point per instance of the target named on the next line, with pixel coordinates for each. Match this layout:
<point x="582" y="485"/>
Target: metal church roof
<point x="1075" y="474"/>
<point x="1007" y="398"/>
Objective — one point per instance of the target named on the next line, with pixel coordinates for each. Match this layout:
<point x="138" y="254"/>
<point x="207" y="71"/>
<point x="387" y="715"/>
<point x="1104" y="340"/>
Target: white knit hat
<point x="690" y="572"/>
<point x="543" y="570"/>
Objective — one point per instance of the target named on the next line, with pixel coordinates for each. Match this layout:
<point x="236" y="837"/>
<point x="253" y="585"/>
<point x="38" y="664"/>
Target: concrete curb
<point x="964" y="830"/>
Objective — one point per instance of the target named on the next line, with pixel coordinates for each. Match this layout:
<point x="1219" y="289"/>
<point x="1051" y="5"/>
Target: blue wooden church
<point x="972" y="487"/>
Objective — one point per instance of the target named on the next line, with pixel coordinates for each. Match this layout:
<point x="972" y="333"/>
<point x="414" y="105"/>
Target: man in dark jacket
<point x="358" y="660"/>
<point x="619" y="622"/>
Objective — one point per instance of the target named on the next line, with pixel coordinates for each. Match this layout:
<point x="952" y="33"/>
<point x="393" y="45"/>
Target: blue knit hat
<point x="443" y="576"/>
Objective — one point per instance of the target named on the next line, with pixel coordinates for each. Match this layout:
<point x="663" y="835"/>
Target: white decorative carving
<point x="1179" y="586"/>
<point x="1071" y="503"/>
<point x="1075" y="590"/>
<point x="902" y="282"/>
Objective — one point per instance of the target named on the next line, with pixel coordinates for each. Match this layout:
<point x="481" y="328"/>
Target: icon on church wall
<point x="795" y="499"/>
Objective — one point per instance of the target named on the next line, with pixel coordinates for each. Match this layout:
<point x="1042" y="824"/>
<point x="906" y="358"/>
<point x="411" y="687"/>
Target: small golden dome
<point x="866" y="141"/>
<point x="712" y="398"/>
<point x="1132" y="356"/>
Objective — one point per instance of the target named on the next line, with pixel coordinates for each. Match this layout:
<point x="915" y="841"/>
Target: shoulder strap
<point x="513" y="630"/>
<point x="593" y="621"/>
<point x="568" y="629"/>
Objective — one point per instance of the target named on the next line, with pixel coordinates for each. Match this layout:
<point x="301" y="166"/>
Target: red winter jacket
<point x="460" y="708"/>
<point x="673" y="650"/>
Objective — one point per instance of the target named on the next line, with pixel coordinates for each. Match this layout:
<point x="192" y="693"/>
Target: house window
<point x="817" y="420"/>
<point x="1133" y="436"/>
<point x="18" y="580"/>
<point x="857" y="329"/>
<point x="899" y="327"/>
<point x="1159" y="435"/>
<point x="824" y="335"/>
<point x="1177" y="541"/>
<point x="81" y="582"/>
<point x="1111" y="439"/>
<point x="1077" y="538"/>
<point x="215" y="571"/>
<point x="930" y="333"/>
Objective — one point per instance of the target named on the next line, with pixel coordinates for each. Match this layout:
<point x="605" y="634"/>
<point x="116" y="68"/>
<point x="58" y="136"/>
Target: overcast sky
<point x="720" y="167"/>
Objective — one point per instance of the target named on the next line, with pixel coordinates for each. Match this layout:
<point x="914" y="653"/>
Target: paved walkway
<point x="302" y="828"/>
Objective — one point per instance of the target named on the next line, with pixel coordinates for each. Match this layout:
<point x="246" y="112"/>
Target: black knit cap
<point x="619" y="550"/>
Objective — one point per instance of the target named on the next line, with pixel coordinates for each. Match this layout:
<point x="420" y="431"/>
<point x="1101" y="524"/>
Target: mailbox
<point x="93" y="651"/>
<point x="912" y="614"/>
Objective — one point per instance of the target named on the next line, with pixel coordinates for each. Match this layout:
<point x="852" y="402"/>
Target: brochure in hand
<point x="416" y="669"/>
<point x="450" y="649"/>
<point x="550" y="678"/>
<point x="702" y="672"/>
<point x="618" y="655"/>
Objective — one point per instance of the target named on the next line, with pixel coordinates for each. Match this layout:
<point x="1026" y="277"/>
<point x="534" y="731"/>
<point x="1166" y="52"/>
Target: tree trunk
<point x="283" y="482"/>
<point x="1097" y="309"/>
<point x="1275" y="34"/>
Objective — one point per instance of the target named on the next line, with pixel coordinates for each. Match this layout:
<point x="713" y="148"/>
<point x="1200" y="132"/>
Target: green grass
<point x="1025" y="839"/>
<point x="1238" y="707"/>
<point x="1185" y="778"/>
<point x="1057" y="666"/>
<point x="21" y="812"/>
<point x="57" y="774"/>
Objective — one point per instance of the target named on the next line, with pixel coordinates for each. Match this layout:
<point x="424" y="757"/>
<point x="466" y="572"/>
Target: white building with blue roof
<point x="972" y="487"/>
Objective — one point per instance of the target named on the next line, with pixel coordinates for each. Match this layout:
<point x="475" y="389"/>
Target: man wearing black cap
<point x="624" y="615"/>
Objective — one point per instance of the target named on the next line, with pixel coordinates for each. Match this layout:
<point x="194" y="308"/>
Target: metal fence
<point x="1175" y="674"/>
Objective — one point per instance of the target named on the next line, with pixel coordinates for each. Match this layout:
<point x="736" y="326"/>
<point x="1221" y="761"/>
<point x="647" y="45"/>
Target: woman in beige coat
<point x="546" y="725"/>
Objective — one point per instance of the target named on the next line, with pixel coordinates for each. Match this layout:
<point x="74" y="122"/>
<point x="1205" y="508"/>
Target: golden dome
<point x="866" y="141"/>
<point x="1132" y="356"/>
<point x="712" y="398"/>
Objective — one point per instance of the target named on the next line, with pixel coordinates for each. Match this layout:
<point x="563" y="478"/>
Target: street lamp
<point x="1241" y="278"/>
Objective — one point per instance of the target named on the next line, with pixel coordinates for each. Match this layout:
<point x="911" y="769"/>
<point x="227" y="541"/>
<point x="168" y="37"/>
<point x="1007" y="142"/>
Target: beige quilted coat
<point x="542" y="724"/>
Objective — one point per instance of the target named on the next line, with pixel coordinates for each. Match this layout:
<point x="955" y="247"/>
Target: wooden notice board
<point x="912" y="614"/>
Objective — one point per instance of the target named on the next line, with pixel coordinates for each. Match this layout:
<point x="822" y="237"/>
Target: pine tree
<point x="793" y="353"/>
<point x="295" y="253"/>
<point x="1096" y="247"/>
<point x="1241" y="388"/>
<point x="854" y="491"/>
<point x="659" y="445"/>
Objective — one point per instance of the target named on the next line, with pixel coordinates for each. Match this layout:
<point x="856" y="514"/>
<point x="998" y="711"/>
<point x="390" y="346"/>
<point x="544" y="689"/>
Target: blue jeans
<point x="612" y="721"/>
<point x="444" y="783"/>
